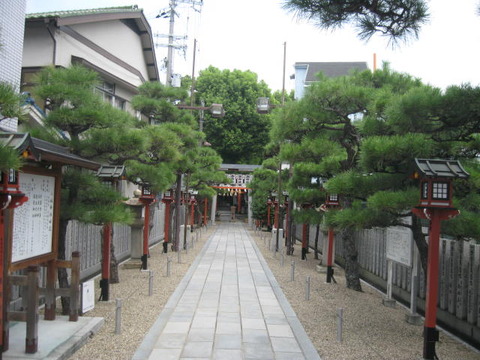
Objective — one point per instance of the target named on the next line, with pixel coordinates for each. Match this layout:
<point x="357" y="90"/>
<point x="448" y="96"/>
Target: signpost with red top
<point x="147" y="197"/>
<point x="436" y="205"/>
<point x="110" y="176"/>
<point x="331" y="202"/>
<point x="167" y="200"/>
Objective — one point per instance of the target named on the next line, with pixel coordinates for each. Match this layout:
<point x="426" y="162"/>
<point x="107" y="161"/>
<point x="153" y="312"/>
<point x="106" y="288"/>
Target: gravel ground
<point x="370" y="330"/>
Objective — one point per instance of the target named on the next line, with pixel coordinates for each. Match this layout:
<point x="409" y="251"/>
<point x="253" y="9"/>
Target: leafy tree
<point x="239" y="136"/>
<point x="174" y="148"/>
<point x="398" y="20"/>
<point x="326" y="126"/>
<point x="77" y="111"/>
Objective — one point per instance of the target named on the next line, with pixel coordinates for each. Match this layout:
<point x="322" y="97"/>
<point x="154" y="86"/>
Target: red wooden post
<point x="192" y="212"/>
<point x="431" y="333"/>
<point x="107" y="244"/>
<point x="239" y="201"/>
<point x="331" y="239"/>
<point x="167" y="225"/>
<point x="276" y="214"/>
<point x="2" y="282"/>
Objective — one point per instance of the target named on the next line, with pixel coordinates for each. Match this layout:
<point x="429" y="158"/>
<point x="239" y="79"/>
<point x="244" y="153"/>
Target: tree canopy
<point x="239" y="136"/>
<point x="360" y="134"/>
<point x="398" y="20"/>
<point x="10" y="107"/>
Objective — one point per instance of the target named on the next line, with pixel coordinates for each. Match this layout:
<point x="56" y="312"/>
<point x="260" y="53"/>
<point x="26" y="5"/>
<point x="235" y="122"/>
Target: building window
<point x="107" y="92"/>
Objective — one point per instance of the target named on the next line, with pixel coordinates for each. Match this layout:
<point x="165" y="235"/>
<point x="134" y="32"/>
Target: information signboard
<point x="33" y="221"/>
<point x="399" y="245"/>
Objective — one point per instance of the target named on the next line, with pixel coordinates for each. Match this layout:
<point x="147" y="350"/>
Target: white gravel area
<point x="370" y="330"/>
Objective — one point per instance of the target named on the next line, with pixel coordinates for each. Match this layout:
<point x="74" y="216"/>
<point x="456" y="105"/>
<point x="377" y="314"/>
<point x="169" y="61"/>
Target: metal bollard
<point x="169" y="265"/>
<point x="340" y="324"/>
<point x="150" y="283"/>
<point x="118" y="316"/>
<point x="307" y="288"/>
<point x="292" y="271"/>
<point x="282" y="259"/>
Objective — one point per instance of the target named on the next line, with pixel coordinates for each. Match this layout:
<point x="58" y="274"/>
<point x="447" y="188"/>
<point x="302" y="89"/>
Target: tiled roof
<point x="43" y="150"/>
<point x="330" y="69"/>
<point x="111" y="171"/>
<point x="80" y="12"/>
<point x="238" y="167"/>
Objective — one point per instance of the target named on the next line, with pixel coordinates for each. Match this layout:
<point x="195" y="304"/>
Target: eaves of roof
<point x="41" y="150"/>
<point x="330" y="69"/>
<point x="123" y="13"/>
<point x="238" y="167"/>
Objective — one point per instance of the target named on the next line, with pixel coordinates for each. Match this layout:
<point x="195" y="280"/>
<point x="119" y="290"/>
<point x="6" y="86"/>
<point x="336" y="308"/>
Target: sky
<point x="260" y="36"/>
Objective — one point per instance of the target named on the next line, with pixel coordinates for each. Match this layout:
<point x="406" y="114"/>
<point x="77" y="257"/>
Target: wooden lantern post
<point x="305" y="228"/>
<point x="331" y="202"/>
<point x="167" y="200"/>
<point x="192" y="202"/>
<point x="269" y="220"/>
<point x="436" y="194"/>
<point x="147" y="198"/>
<point x="110" y="176"/>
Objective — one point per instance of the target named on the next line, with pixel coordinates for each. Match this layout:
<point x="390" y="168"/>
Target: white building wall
<point x="300" y="76"/>
<point x="102" y="35"/>
<point x="12" y="25"/>
<point x="38" y="46"/>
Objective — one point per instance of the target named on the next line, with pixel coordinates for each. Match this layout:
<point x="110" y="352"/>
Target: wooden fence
<point x="459" y="290"/>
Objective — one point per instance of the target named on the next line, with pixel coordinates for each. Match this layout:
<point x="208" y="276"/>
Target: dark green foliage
<point x="10" y="107"/>
<point x="397" y="20"/>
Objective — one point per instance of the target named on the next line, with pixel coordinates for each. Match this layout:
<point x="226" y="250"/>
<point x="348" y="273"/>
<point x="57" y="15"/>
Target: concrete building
<point x="12" y="15"/>
<point x="117" y="43"/>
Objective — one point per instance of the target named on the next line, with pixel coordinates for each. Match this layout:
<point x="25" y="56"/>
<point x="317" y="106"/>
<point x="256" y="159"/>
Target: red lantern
<point x="332" y="200"/>
<point x="147" y="195"/>
<point x="10" y="194"/>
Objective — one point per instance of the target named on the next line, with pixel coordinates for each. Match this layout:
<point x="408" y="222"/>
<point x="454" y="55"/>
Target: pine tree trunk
<point x="352" y="269"/>
<point x="420" y="241"/>
<point x="62" y="272"/>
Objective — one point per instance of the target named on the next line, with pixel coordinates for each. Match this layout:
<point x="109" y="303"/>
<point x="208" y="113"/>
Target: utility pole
<point x="171" y="13"/>
<point x="173" y="5"/>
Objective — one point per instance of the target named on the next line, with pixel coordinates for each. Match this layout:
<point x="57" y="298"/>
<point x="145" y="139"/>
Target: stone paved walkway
<point x="228" y="306"/>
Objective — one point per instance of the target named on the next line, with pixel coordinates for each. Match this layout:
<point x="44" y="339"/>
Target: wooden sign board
<point x="34" y="222"/>
<point x="399" y="245"/>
